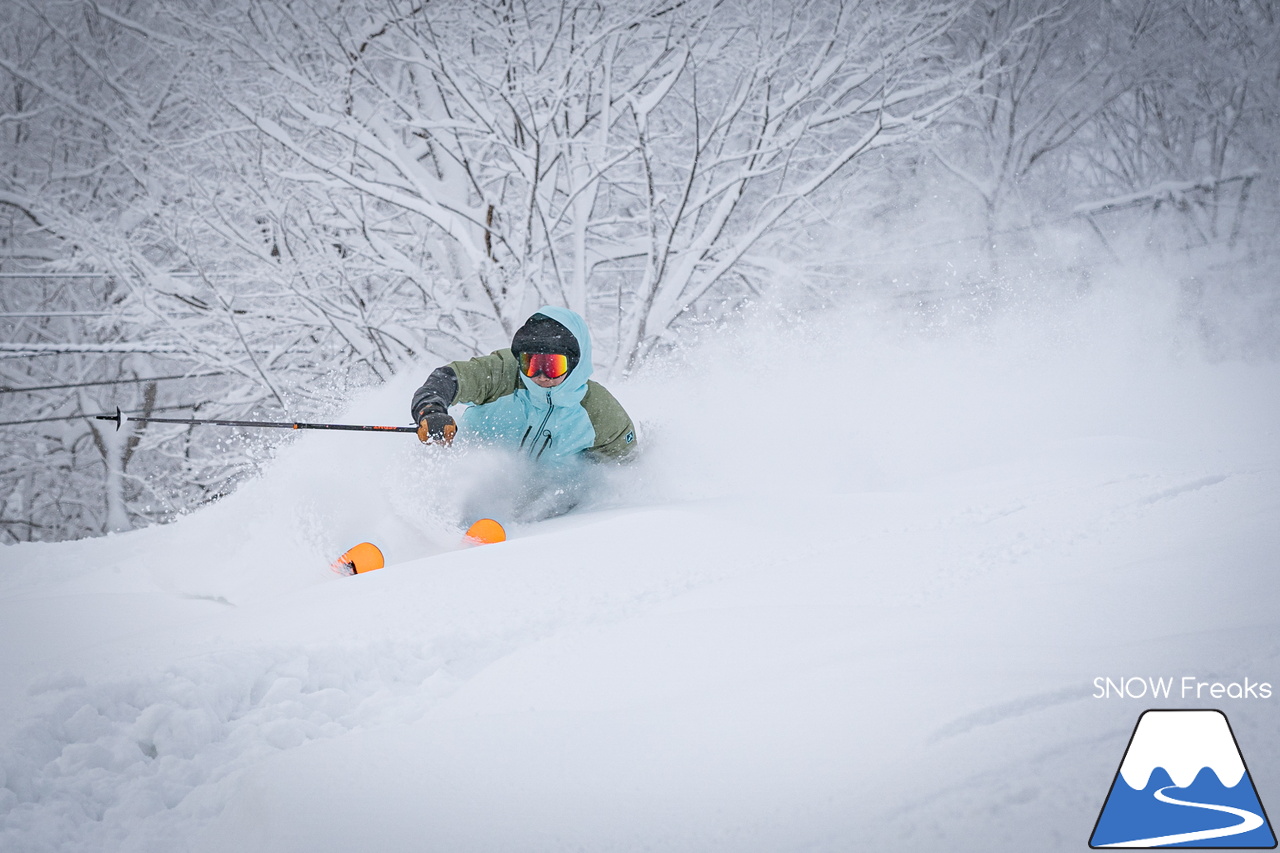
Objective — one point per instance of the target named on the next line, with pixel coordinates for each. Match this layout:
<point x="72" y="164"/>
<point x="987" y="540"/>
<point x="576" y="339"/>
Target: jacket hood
<point x="574" y="386"/>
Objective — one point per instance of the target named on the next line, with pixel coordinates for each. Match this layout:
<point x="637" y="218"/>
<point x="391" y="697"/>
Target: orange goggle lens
<point x="552" y="365"/>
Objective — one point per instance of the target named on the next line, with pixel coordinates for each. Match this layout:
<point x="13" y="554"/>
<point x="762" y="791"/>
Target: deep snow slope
<point x="855" y="597"/>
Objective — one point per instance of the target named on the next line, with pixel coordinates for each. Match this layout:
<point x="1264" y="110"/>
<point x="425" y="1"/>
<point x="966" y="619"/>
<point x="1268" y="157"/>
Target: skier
<point x="535" y="398"/>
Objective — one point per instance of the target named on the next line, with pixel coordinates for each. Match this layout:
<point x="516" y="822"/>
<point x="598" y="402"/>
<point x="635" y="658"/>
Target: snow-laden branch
<point x="36" y="348"/>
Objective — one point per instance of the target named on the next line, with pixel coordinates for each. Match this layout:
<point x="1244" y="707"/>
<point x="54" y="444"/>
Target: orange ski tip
<point x="486" y="531"/>
<point x="359" y="559"/>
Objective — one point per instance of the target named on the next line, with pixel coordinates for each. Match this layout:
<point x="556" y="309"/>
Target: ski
<point x="486" y="531"/>
<point x="359" y="559"/>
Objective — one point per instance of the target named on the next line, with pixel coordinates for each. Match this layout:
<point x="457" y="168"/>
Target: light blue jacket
<point x="578" y="416"/>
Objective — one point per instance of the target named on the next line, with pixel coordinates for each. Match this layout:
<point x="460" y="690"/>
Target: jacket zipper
<point x="541" y="427"/>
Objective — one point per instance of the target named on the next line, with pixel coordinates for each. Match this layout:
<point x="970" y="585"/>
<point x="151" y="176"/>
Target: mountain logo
<point x="1182" y="783"/>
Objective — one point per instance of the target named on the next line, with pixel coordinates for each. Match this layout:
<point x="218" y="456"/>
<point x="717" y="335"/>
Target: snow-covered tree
<point x="1197" y="125"/>
<point x="621" y="159"/>
<point x="81" y="99"/>
<point x="1051" y="68"/>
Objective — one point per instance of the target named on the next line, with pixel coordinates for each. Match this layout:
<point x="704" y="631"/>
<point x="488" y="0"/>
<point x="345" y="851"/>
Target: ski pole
<point x="119" y="417"/>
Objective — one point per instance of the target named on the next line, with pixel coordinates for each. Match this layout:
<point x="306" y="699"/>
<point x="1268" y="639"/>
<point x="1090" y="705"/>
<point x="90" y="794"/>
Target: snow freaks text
<point x="1185" y="687"/>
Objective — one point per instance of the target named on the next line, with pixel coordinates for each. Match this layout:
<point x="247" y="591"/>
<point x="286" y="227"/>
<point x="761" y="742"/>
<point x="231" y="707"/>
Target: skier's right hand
<point x="436" y="428"/>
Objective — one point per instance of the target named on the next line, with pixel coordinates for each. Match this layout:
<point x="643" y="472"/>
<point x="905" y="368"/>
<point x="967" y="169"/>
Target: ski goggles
<point x="552" y="365"/>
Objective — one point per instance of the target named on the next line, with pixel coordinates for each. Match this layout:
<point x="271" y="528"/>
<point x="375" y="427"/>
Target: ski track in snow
<point x="1183" y="488"/>
<point x="1005" y="711"/>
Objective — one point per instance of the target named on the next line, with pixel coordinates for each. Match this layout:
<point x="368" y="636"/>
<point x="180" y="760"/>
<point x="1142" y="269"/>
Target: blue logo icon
<point x="1182" y="783"/>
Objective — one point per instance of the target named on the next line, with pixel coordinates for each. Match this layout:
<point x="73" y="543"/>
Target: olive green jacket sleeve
<point x="487" y="377"/>
<point x="615" y="434"/>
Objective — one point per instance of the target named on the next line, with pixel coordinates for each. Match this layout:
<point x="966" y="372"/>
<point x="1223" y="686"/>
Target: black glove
<point x="437" y="427"/>
<point x="430" y="406"/>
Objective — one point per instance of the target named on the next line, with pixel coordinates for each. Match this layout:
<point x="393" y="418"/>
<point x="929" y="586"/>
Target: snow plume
<point x="878" y="394"/>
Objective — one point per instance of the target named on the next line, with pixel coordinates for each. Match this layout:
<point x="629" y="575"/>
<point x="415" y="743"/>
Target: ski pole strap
<point x="119" y="418"/>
